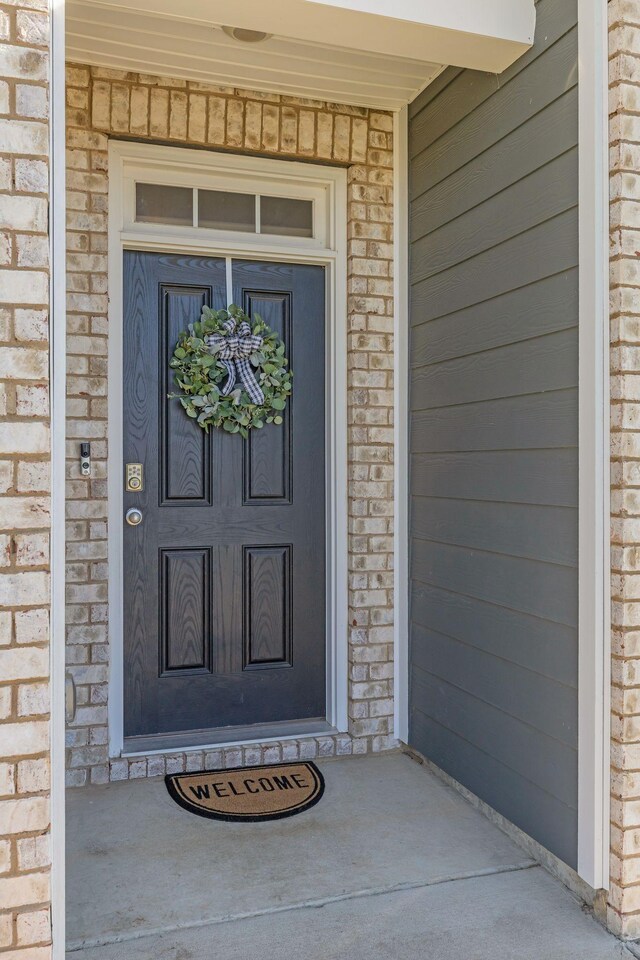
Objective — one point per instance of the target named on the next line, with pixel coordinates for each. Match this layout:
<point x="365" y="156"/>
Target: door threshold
<point x="226" y="737"/>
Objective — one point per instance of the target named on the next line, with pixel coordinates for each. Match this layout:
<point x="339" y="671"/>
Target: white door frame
<point x="182" y="165"/>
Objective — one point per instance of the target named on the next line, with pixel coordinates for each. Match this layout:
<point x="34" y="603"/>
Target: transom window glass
<point x="227" y="211"/>
<point x="286" y="216"/>
<point x="157" y="203"/>
<point x="224" y="210"/>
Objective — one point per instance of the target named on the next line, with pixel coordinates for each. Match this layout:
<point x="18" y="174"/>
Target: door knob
<point x="133" y="516"/>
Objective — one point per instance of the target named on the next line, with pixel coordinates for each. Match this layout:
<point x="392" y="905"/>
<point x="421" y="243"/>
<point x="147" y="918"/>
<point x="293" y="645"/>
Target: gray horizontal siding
<point x="494" y="399"/>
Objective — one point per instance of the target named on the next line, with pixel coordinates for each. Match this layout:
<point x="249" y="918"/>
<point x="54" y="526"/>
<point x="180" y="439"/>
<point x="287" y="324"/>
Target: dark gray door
<point x="224" y="579"/>
<point x="494" y="428"/>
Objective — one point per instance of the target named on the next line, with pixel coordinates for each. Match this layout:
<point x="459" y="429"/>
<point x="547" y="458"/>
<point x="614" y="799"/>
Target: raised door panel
<point x="267" y="640"/>
<point x="184" y="453"/>
<point x="185" y="631"/>
<point x="267" y="470"/>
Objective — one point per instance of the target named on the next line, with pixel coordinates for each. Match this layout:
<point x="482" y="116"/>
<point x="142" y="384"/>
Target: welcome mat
<point x="248" y="793"/>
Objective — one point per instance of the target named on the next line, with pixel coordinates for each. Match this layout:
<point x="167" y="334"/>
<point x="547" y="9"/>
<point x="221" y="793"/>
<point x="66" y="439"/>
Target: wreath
<point x="232" y="371"/>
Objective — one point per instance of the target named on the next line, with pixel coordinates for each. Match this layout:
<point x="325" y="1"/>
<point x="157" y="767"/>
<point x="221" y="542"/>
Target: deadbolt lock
<point x="133" y="481"/>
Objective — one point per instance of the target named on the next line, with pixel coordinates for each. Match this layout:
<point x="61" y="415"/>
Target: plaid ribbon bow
<point x="234" y="351"/>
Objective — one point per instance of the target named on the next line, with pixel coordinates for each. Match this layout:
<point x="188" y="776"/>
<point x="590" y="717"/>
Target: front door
<point x="224" y="578"/>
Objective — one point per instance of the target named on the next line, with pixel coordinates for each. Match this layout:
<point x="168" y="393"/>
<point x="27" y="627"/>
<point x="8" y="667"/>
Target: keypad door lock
<point x="133" y="478"/>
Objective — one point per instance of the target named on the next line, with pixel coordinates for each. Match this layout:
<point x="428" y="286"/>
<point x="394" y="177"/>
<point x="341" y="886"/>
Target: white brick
<point x="31" y="101"/>
<point x="33" y="852"/>
<point x="23" y="286"/>
<point x="23" y="438"/>
<point x="31" y="549"/>
<point x="33" y="927"/>
<point x="23" y="363"/>
<point x="32" y="626"/>
<point x="23" y="136"/>
<point x="24" y="815"/>
<point x="7" y="779"/>
<point x="24" y="63"/>
<point x="33" y="699"/>
<point x="21" y="891"/>
<point x="33" y="476"/>
<point x="23" y="663"/>
<point x="31" y="325"/>
<point x="32" y="400"/>
<point x="23" y="213"/>
<point x="32" y="176"/>
<point x="24" y="589"/>
<point x="22" y="739"/>
<point x="33" y="775"/>
<point x="6" y="930"/>
<point x="32" y="27"/>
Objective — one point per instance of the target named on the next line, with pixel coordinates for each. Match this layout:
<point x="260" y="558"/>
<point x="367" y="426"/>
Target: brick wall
<point x="624" y="78"/>
<point x="103" y="103"/>
<point x="24" y="483"/>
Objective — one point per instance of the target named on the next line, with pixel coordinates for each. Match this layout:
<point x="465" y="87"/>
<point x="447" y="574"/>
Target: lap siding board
<point x="494" y="421"/>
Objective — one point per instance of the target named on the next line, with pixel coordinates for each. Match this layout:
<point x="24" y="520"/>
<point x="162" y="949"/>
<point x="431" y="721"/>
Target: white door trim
<point x="179" y="163"/>
<point x="594" y="593"/>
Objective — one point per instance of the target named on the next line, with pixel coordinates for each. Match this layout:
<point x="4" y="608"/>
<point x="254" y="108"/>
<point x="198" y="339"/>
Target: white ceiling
<point x="112" y="34"/>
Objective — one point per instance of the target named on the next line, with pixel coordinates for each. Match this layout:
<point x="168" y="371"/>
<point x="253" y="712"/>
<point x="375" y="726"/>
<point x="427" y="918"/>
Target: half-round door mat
<point x="248" y="793"/>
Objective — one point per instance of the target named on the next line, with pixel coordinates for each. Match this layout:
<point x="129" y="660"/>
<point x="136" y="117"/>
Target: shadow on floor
<point x="390" y="864"/>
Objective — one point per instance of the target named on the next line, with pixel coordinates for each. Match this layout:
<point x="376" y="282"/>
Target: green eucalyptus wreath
<point x="232" y="371"/>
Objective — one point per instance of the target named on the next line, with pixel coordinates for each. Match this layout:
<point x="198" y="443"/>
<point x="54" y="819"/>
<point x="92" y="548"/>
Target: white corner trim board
<point x="594" y="651"/>
<point x="401" y="429"/>
<point x="57" y="384"/>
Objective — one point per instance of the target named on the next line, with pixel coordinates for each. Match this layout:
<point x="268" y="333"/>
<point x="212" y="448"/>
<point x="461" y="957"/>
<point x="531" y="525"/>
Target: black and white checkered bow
<point x="234" y="351"/>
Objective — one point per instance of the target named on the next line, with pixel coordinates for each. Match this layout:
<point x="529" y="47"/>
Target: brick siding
<point x="103" y="103"/>
<point x="24" y="483"/>
<point x="624" y="79"/>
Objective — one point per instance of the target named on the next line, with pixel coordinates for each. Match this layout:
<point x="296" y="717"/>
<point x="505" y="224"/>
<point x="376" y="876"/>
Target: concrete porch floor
<point x="391" y="863"/>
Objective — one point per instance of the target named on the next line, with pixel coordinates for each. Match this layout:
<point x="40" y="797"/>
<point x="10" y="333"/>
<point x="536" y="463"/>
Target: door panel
<point x="224" y="580"/>
<point x="184" y="454"/>
<point x="267" y="463"/>
<point x="267" y="599"/>
<point x="185" y="595"/>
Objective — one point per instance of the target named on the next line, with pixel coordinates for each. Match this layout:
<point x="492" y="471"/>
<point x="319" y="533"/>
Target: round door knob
<point x="133" y="516"/>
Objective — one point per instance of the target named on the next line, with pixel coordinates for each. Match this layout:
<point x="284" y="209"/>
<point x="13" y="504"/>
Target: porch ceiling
<point x="381" y="61"/>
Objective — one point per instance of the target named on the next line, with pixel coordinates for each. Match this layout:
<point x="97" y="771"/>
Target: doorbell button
<point x="85" y="459"/>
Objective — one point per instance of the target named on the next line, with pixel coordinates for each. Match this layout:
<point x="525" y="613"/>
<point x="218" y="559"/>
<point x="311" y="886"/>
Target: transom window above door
<point x="224" y="210"/>
<point x="202" y="198"/>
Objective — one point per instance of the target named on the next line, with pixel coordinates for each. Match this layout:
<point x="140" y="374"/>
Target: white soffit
<point x="481" y="34"/>
<point x="103" y="33"/>
<point x="379" y="60"/>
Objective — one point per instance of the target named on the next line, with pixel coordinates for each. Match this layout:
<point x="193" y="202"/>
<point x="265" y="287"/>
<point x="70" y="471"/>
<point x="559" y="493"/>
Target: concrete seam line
<point x="85" y="944"/>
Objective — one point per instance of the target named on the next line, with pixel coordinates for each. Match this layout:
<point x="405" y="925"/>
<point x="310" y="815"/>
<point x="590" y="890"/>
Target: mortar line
<point x="127" y="937"/>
